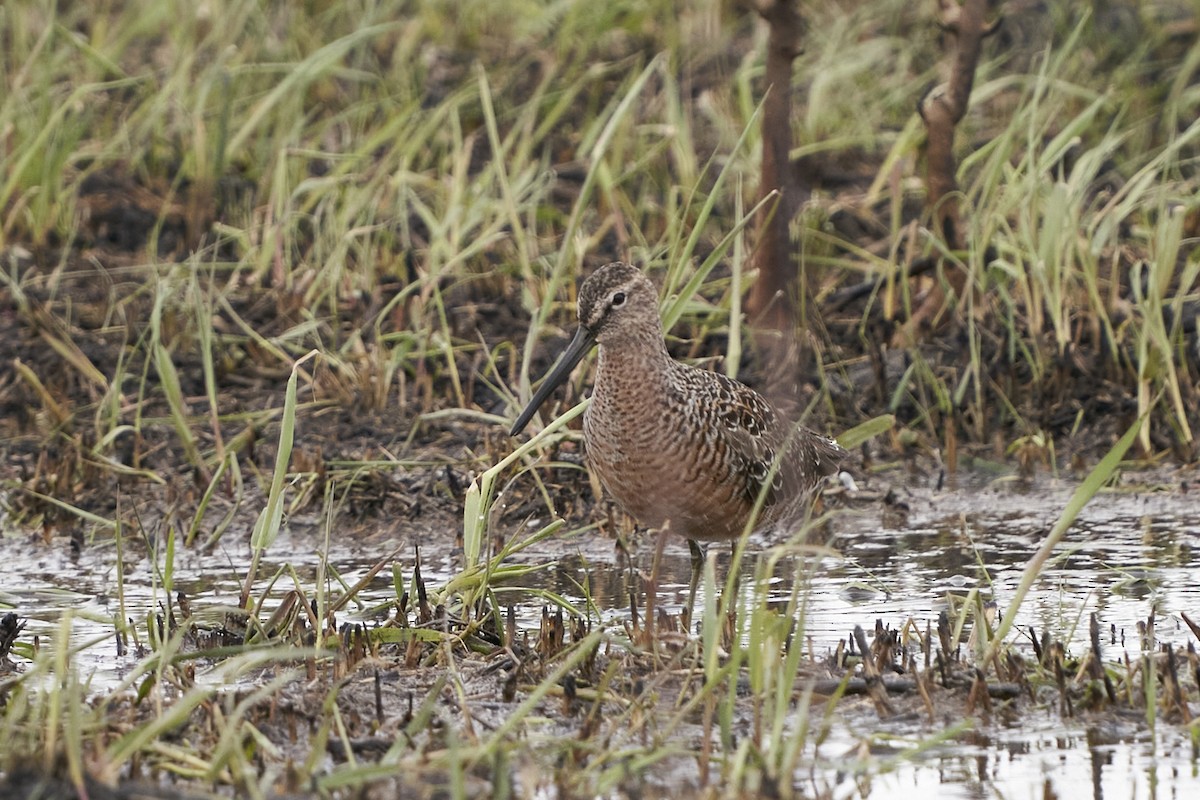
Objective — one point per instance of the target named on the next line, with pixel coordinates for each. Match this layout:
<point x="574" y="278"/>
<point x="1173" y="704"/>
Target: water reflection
<point x="1119" y="567"/>
<point x="1127" y="555"/>
<point x="1053" y="763"/>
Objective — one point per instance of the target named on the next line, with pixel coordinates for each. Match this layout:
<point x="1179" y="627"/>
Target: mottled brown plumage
<point x="675" y="444"/>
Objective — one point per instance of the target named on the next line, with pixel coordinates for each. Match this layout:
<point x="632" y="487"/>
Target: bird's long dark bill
<point x="576" y="350"/>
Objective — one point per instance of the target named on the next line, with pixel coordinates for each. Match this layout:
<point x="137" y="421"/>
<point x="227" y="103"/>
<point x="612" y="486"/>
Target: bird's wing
<point x="748" y="430"/>
<point x="755" y="436"/>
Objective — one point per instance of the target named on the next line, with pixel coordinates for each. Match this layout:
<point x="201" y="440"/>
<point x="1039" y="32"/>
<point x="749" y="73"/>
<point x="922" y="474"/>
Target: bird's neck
<point x="640" y="360"/>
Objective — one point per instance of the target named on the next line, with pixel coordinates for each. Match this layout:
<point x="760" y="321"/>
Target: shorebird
<point x="677" y="445"/>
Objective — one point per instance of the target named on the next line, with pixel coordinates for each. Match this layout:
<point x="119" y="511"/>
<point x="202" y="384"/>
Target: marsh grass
<point x="229" y="231"/>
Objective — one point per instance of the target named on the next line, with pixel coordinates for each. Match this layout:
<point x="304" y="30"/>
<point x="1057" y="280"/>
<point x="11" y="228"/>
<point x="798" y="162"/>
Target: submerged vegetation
<point x="269" y="262"/>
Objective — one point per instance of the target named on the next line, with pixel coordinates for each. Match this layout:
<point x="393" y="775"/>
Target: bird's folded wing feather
<point x="748" y="429"/>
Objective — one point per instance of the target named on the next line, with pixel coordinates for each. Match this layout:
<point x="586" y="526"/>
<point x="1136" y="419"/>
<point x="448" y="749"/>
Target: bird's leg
<point x="624" y="556"/>
<point x="652" y="586"/>
<point x="697" y="567"/>
<point x="737" y="577"/>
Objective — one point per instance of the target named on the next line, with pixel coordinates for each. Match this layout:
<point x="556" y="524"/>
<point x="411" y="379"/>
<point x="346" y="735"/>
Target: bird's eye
<point x="618" y="300"/>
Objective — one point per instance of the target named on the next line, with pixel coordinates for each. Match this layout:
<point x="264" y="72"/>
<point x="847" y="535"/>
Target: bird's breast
<point x="663" y="462"/>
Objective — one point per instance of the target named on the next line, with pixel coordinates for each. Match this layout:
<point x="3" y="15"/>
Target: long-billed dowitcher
<point x="675" y="444"/>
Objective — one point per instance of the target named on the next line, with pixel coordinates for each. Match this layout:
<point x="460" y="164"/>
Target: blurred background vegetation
<point x="196" y="195"/>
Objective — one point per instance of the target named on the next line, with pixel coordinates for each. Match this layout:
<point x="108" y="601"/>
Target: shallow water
<point x="1129" y="554"/>
<point x="1042" y="759"/>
